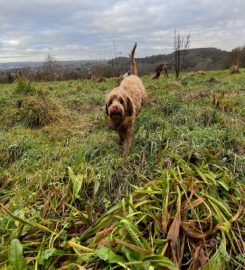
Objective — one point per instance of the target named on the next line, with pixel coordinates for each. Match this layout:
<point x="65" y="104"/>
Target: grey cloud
<point x="86" y="29"/>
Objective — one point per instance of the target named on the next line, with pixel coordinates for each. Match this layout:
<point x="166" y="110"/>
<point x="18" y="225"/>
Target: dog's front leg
<point x="127" y="140"/>
<point x="121" y="137"/>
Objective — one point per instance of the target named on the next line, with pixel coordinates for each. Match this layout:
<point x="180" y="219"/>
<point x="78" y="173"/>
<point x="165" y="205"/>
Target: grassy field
<point x="69" y="201"/>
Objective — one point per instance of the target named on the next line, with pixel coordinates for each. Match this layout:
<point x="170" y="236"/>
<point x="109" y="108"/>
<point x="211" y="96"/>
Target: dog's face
<point x="118" y="106"/>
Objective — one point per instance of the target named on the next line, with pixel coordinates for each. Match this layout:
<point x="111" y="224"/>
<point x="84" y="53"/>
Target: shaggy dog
<point x="123" y="104"/>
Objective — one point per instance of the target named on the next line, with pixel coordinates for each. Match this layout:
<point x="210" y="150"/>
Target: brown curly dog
<point x="123" y="104"/>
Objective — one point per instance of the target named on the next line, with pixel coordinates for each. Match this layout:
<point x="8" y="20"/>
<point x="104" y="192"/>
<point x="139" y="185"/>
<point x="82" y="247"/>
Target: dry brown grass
<point x="234" y="69"/>
<point x="224" y="104"/>
<point x="38" y="111"/>
<point x="197" y="94"/>
<point x="174" y="85"/>
<point x="198" y="73"/>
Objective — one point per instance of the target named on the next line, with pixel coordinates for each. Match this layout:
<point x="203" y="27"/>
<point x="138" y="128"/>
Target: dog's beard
<point x="116" y="116"/>
<point x="116" y="112"/>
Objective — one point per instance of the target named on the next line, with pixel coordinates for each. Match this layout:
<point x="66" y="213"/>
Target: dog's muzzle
<point x="115" y="114"/>
<point x="115" y="111"/>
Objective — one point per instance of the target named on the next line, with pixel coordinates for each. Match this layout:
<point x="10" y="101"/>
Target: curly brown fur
<point x="132" y="60"/>
<point x="123" y="103"/>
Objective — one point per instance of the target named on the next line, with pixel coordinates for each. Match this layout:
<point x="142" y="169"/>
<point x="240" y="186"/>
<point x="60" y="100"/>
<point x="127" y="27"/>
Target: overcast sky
<point x="98" y="29"/>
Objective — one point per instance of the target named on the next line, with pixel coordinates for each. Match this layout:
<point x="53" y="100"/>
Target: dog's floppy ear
<point x="129" y="107"/>
<point x="106" y="108"/>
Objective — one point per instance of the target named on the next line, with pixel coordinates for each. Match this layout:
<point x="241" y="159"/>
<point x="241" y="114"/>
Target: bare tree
<point x="50" y="69"/>
<point x="236" y="57"/>
<point x="181" y="45"/>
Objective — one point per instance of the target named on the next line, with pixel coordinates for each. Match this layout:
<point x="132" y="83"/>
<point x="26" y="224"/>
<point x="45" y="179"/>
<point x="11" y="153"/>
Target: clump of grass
<point x="3" y="105"/>
<point x="213" y="80"/>
<point x="197" y="94"/>
<point x="79" y="88"/>
<point x="172" y="85"/>
<point x="234" y="69"/>
<point x="24" y="87"/>
<point x="208" y="117"/>
<point x="198" y="73"/>
<point x="193" y="76"/>
<point x="14" y="152"/>
<point x="101" y="79"/>
<point x="37" y="111"/>
<point x="185" y="215"/>
<point x="222" y="103"/>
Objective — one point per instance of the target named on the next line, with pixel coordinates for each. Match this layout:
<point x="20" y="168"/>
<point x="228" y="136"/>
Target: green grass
<point x="69" y="201"/>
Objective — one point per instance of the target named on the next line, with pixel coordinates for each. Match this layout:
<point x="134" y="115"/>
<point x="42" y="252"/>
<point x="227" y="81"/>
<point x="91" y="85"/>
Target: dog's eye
<point x="121" y="100"/>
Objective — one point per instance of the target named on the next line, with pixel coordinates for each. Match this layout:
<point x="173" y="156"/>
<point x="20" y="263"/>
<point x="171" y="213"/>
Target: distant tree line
<point x="49" y="71"/>
<point x="189" y="60"/>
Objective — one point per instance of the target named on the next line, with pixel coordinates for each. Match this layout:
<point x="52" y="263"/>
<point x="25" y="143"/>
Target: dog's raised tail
<point x="132" y="60"/>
